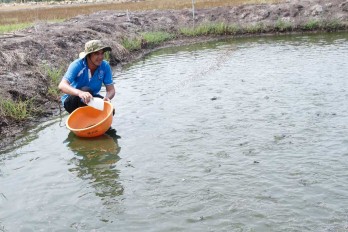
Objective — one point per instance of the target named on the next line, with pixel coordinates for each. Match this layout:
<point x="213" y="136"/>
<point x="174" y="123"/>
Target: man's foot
<point x="112" y="132"/>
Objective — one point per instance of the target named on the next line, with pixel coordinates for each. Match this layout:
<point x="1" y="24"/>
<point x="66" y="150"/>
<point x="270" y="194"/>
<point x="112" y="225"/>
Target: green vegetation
<point x="151" y="39"/>
<point x="11" y="27"/>
<point x="22" y="109"/>
<point x="256" y="28"/>
<point x="131" y="44"/>
<point x="234" y="29"/>
<point x="283" y="26"/>
<point x="311" y="25"/>
<point x="154" y="38"/>
<point x="209" y="29"/>
<point x="54" y="76"/>
<point x="329" y="25"/>
<point x="14" y="27"/>
<point x="333" y="25"/>
<point x="223" y="29"/>
<point x="18" y="110"/>
<point x="146" y="40"/>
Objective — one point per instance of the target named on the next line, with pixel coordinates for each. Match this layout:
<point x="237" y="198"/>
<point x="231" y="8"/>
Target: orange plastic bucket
<point x="87" y="121"/>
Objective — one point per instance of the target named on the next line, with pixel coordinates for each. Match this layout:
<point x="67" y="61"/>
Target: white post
<point x="128" y="18"/>
<point x="193" y="12"/>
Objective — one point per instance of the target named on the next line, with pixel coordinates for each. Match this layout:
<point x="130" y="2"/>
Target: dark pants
<point x="74" y="102"/>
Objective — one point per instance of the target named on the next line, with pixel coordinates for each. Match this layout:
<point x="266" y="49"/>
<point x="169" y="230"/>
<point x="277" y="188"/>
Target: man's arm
<point x="65" y="87"/>
<point x="110" y="92"/>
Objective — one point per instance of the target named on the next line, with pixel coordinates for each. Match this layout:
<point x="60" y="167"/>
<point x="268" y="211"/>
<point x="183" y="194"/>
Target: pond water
<point x="238" y="135"/>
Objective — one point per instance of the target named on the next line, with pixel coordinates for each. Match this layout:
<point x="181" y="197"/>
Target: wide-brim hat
<point x="93" y="46"/>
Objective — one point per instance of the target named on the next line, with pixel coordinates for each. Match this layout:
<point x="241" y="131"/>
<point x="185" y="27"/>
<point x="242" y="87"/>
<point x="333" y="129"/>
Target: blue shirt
<point x="78" y="76"/>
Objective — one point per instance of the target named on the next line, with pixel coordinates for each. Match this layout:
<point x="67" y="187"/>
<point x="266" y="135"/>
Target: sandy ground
<point x="58" y="44"/>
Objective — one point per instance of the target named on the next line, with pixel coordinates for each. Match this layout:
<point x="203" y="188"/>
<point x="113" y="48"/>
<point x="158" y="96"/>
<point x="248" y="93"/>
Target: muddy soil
<point x="23" y="54"/>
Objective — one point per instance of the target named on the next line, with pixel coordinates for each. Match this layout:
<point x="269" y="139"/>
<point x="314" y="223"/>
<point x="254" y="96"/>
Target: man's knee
<point x="72" y="103"/>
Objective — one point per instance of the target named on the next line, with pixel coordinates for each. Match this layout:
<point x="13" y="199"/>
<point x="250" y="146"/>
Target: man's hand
<point x="106" y="99"/>
<point x="85" y="96"/>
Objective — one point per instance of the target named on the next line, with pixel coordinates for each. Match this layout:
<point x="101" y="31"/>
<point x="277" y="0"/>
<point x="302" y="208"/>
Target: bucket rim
<point x="74" y="112"/>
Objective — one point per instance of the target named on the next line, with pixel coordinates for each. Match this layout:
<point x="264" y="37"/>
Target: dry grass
<point x="22" y="14"/>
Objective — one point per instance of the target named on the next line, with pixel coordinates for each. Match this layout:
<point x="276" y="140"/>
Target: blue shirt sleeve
<point x="73" y="71"/>
<point x="108" y="74"/>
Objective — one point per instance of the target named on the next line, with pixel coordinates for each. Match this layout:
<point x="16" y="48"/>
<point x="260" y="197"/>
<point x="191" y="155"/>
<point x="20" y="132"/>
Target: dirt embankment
<point x="58" y="44"/>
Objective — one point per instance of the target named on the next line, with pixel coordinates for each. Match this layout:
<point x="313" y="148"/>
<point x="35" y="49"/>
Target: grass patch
<point x="14" y="27"/>
<point x="54" y="76"/>
<point x="22" y="109"/>
<point x="234" y="29"/>
<point x="311" y="25"/>
<point x="333" y="25"/>
<point x="146" y="40"/>
<point x="209" y="29"/>
<point x="255" y="28"/>
<point x="18" y="110"/>
<point x="323" y="25"/>
<point x="153" y="38"/>
<point x="11" y="27"/>
<point x="131" y="44"/>
<point x="283" y="26"/>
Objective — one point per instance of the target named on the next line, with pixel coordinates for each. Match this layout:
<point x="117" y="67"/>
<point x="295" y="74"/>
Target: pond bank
<point x="56" y="45"/>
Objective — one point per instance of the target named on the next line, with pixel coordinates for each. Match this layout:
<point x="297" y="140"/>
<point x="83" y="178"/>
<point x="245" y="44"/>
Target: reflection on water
<point x="95" y="161"/>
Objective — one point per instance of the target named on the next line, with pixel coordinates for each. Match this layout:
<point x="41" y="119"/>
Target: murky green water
<point x="241" y="135"/>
